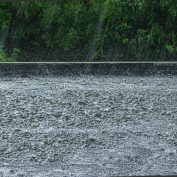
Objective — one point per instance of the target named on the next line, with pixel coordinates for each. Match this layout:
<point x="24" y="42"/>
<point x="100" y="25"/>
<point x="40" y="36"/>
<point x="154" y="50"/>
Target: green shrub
<point x="3" y="56"/>
<point x="15" y="54"/>
<point x="142" y="28"/>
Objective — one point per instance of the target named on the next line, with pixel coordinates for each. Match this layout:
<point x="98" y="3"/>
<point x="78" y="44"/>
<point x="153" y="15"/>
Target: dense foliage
<point x="89" y="30"/>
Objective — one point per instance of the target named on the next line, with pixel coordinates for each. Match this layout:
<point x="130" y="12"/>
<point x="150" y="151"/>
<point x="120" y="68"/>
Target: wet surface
<point x="88" y="126"/>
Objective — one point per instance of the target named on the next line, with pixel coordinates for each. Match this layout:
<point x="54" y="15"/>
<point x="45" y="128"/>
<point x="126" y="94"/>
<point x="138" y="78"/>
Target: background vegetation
<point x="88" y="30"/>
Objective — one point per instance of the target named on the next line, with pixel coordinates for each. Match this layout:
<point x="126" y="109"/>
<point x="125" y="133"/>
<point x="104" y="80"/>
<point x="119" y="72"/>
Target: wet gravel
<point x="89" y="126"/>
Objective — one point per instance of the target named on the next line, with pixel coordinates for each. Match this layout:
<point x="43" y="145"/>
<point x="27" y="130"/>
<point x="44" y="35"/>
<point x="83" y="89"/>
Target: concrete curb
<point x="87" y="68"/>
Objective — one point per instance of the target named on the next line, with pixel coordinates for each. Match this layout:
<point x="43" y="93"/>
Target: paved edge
<point x="87" y="68"/>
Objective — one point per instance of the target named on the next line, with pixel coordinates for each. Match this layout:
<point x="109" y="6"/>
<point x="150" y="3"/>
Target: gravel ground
<point x="89" y="126"/>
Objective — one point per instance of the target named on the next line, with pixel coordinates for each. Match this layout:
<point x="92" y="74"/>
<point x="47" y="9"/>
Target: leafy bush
<point x="143" y="29"/>
<point x="3" y="56"/>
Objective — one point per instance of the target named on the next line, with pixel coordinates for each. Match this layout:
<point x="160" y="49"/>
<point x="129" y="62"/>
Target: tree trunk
<point x="86" y="4"/>
<point x="9" y="42"/>
<point x="96" y="38"/>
